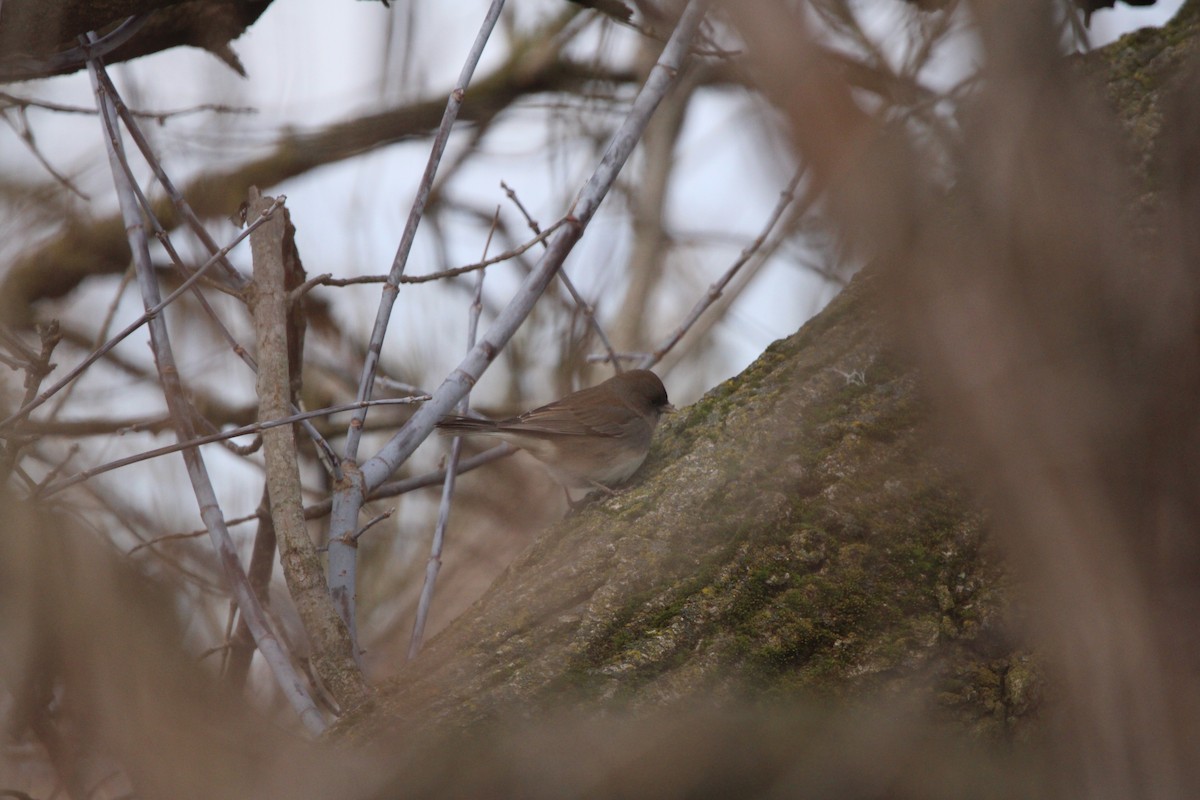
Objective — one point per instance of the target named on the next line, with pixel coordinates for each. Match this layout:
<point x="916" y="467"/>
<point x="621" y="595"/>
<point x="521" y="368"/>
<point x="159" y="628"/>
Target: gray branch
<point x="348" y="500"/>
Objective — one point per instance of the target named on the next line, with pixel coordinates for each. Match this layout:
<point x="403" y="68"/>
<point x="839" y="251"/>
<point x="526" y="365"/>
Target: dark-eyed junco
<point x="594" y="437"/>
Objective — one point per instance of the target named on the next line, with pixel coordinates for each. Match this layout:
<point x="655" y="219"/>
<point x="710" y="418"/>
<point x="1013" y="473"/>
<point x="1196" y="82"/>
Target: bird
<point x="593" y="438"/>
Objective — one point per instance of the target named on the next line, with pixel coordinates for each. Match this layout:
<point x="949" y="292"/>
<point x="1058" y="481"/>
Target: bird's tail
<point x="454" y="426"/>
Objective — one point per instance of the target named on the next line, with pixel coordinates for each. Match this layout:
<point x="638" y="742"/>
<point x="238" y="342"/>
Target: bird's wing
<point x="589" y="420"/>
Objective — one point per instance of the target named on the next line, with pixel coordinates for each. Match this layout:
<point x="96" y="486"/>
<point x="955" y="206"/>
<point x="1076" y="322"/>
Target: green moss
<point x="752" y="593"/>
<point x="843" y="307"/>
<point x="849" y="568"/>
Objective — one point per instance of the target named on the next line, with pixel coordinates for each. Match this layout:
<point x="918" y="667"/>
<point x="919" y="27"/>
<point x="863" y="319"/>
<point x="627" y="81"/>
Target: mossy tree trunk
<point x="802" y="529"/>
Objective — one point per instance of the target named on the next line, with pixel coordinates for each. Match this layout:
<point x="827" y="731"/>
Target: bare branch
<point x="395" y="488"/>
<point x="256" y="427"/>
<point x="372" y="523"/>
<point x="348" y="500"/>
<point x="95" y="341"/>
<point x="329" y="280"/>
<point x="391" y="288"/>
<point x="332" y="655"/>
<point x="25" y="133"/>
<point x="714" y="291"/>
<point x="268" y="644"/>
<point x="170" y="537"/>
<point x="589" y="312"/>
<point x="8" y="100"/>
<point x="434" y="564"/>
<point x="541" y="237"/>
<point x="150" y="314"/>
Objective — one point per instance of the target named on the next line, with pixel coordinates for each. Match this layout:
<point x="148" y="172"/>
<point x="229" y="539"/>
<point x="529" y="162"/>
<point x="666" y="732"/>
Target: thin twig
<point x="101" y="332"/>
<point x="405" y="485"/>
<point x="150" y="314"/>
<point x="434" y="565"/>
<point x="374" y="521"/>
<point x="385" y="382"/>
<point x="25" y="133"/>
<point x="391" y="288"/>
<point x="318" y="280"/>
<point x="16" y="101"/>
<point x="243" y="450"/>
<point x="541" y="237"/>
<point x="521" y="249"/>
<point x="256" y="427"/>
<point x="212" y="651"/>
<point x="38" y="367"/>
<point x="168" y="537"/>
<point x="588" y="311"/>
<point x="347" y="501"/>
<point x="714" y="291"/>
<point x="59" y="467"/>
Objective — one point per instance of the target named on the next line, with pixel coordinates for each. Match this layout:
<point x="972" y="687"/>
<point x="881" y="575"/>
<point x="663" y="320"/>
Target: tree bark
<point x="805" y="528"/>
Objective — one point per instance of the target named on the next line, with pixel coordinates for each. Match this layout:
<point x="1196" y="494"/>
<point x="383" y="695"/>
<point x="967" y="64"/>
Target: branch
<point x="232" y="433"/>
<point x="347" y="503"/>
<point x="268" y="644"/>
<point x="434" y="564"/>
<point x="329" y="280"/>
<point x="400" y="261"/>
<point x="151" y="313"/>
<point x="84" y="250"/>
<point x="332" y="655"/>
<point x="349" y="499"/>
<point x="25" y="133"/>
<point x="17" y="101"/>
<point x="589" y="312"/>
<point x="540" y="237"/>
<point x="714" y="291"/>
